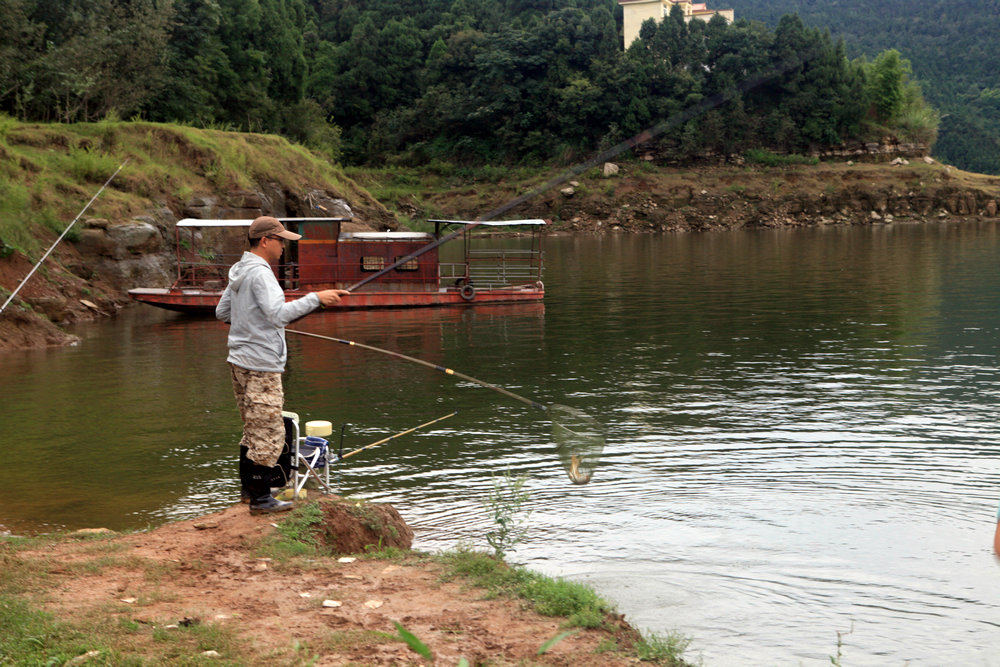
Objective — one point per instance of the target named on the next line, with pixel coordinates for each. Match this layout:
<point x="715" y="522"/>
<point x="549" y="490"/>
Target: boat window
<point x="372" y="263"/>
<point x="410" y="265"/>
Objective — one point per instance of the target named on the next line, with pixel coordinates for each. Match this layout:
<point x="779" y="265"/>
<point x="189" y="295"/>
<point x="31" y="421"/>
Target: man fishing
<point x="254" y="305"/>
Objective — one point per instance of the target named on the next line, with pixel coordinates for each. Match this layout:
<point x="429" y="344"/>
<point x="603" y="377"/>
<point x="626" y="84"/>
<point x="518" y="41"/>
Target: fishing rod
<point x="706" y="104"/>
<point x="65" y="231"/>
<point x="442" y="369"/>
<point x="341" y="457"/>
<point x="579" y="437"/>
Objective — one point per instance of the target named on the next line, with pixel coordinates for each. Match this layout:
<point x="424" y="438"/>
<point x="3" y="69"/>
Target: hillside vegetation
<point x="472" y="82"/>
<point x="951" y="44"/>
<point x="49" y="173"/>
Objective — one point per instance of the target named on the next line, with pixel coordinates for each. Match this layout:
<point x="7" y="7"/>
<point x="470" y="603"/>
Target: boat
<point x="508" y="269"/>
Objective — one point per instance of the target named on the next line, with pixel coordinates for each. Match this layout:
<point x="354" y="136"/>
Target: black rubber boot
<point x="259" y="486"/>
<point x="245" y="466"/>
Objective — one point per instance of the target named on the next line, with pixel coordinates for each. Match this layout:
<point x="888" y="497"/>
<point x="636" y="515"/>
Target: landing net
<point x="579" y="441"/>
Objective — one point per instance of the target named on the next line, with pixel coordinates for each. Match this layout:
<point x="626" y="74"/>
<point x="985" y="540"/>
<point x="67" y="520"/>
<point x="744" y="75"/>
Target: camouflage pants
<point x="260" y="398"/>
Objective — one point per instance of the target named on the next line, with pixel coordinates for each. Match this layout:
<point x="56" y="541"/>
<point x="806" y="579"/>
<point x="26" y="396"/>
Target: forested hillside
<point x="458" y="81"/>
<point x="951" y="45"/>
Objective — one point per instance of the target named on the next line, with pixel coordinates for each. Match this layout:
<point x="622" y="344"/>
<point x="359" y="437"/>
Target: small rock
<point x="128" y="600"/>
<point x="611" y="169"/>
<point x="80" y="659"/>
<point x="374" y="604"/>
<point x="928" y="159"/>
<point x="206" y="525"/>
<point x="211" y="653"/>
<point x="346" y="559"/>
<point x="332" y="603"/>
<point x="567" y="192"/>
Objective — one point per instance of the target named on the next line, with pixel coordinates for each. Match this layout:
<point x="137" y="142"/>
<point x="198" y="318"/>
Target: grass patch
<point x="769" y="159"/>
<point x="48" y="172"/>
<point x="663" y="649"/>
<point x="581" y="606"/>
<point x="32" y="637"/>
<point x="296" y="534"/>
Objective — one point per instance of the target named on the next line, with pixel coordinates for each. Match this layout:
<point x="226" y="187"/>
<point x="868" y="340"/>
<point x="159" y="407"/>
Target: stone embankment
<point x="88" y="277"/>
<point x="716" y="197"/>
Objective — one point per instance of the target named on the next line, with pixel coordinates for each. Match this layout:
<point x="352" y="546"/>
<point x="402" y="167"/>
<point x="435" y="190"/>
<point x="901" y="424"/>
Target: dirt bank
<point x="642" y="198"/>
<point x="209" y="572"/>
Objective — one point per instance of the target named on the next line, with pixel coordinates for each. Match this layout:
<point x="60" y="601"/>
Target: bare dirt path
<point x="208" y="571"/>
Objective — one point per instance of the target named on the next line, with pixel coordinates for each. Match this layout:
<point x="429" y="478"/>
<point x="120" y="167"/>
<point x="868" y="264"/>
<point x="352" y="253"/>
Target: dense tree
<point x="455" y="80"/>
<point x="950" y="46"/>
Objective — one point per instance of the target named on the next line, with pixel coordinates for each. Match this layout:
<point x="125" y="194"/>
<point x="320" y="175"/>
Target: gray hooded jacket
<point x="255" y="307"/>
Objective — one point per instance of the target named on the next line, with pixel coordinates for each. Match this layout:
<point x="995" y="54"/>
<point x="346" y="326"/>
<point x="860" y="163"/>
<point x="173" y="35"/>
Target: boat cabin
<point x="380" y="269"/>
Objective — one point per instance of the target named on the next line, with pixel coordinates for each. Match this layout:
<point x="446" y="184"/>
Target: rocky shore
<point x="89" y="276"/>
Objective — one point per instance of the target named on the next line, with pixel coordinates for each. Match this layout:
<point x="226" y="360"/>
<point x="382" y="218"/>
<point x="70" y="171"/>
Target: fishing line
<point x="673" y="121"/>
<point x="65" y="231"/>
<point x="579" y="437"/>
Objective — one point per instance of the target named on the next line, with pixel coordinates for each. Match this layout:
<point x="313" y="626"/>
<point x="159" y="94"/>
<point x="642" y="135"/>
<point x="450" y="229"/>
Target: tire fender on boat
<point x="468" y="292"/>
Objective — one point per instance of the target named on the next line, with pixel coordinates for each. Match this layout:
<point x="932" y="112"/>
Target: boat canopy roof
<point x="492" y="223"/>
<point x="195" y="222"/>
<point x="386" y="236"/>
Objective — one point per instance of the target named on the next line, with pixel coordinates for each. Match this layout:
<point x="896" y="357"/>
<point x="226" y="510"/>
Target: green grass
<point x="663" y="649"/>
<point x="49" y="172"/>
<point x="34" y="638"/>
<point x="577" y="603"/>
<point x="296" y="534"/>
<point x="549" y="597"/>
<point x="769" y="159"/>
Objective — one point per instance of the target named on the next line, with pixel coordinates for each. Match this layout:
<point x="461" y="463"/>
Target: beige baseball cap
<point x="266" y="225"/>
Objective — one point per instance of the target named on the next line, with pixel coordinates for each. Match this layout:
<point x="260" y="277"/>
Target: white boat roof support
<point x="493" y="223"/>
<point x="195" y="222"/>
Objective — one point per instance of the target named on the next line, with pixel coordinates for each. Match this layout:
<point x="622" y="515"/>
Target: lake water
<point x="803" y="432"/>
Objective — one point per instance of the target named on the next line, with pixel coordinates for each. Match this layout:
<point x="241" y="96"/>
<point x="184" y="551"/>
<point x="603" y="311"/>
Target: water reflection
<point x="802" y="432"/>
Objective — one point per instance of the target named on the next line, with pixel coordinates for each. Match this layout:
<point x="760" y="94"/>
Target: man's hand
<point x="331" y="297"/>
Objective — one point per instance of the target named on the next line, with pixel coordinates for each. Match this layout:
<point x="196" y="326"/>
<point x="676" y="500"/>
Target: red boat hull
<point x="205" y="301"/>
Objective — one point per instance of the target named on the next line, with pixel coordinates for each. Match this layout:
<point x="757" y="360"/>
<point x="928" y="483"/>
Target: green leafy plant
<point x="411" y="640"/>
<point x="506" y="503"/>
<point x="544" y="648"/>
<point x="836" y="660"/>
<point x="663" y="649"/>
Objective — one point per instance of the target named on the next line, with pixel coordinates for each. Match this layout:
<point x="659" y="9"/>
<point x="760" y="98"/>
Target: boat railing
<point x="495" y="269"/>
<point x="212" y="273"/>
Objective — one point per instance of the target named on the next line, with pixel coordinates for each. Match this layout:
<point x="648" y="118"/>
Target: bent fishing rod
<point x="65" y="231"/>
<point x="706" y="104"/>
<point x="442" y="369"/>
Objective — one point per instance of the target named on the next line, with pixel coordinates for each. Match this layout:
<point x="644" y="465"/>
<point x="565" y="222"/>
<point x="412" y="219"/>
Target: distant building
<point x="637" y="11"/>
